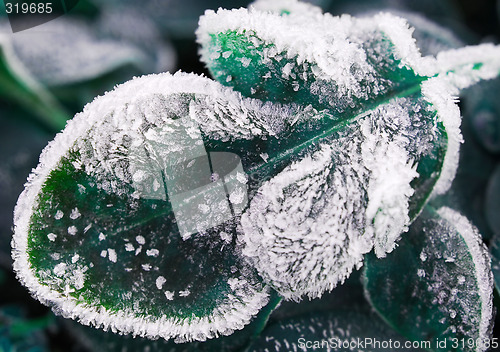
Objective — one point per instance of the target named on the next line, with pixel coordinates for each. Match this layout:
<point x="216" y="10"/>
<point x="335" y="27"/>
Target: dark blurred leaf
<point x="330" y="330"/>
<point x="492" y="202"/>
<point x="77" y="61"/>
<point x="18" y="334"/>
<point x="482" y="114"/>
<point x="22" y="143"/>
<point x="17" y="85"/>
<point x="495" y="260"/>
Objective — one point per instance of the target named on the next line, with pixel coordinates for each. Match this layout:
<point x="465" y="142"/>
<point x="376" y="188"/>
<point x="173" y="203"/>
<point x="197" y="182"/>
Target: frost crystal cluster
<point x="175" y="205"/>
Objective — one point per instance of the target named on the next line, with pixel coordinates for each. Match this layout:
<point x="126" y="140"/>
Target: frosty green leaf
<point x="97" y="246"/>
<point x="352" y="133"/>
<point x="365" y="82"/>
<point x="438" y="284"/>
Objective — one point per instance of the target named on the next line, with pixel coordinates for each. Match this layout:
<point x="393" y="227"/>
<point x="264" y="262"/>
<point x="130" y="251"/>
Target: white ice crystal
<point x="160" y="280"/>
<point x="112" y="255"/>
<point x="75" y="214"/>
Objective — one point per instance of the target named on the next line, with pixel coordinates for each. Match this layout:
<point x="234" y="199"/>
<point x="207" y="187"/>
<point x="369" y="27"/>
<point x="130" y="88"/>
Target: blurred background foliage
<point x="48" y="73"/>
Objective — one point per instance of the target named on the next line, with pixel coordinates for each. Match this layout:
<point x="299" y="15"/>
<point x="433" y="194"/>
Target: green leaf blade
<point x="437" y="285"/>
<point x="101" y="244"/>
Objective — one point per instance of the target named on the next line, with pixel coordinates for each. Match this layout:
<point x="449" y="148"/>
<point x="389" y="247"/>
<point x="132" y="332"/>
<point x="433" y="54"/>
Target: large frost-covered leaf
<point x="384" y="135"/>
<point x="106" y="230"/>
<point x="437" y="285"/>
<point x="373" y="118"/>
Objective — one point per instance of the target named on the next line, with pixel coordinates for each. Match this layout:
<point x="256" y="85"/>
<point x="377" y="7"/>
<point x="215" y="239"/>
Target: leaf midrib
<point x="335" y="128"/>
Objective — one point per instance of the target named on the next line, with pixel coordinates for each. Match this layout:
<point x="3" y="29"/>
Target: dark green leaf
<point x="437" y="286"/>
<point x="340" y="330"/>
<point x="482" y="111"/>
<point x="116" y="237"/>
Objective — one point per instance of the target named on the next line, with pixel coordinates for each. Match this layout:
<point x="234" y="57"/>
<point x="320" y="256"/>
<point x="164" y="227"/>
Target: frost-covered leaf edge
<point x="481" y="259"/>
<point x="212" y="326"/>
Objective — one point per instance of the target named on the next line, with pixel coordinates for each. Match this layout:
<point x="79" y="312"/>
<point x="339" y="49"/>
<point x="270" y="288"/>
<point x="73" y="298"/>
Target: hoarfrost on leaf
<point x="181" y="292"/>
<point x="381" y="137"/>
<point x="331" y="137"/>
<point x="307" y="228"/>
<point x="457" y="294"/>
